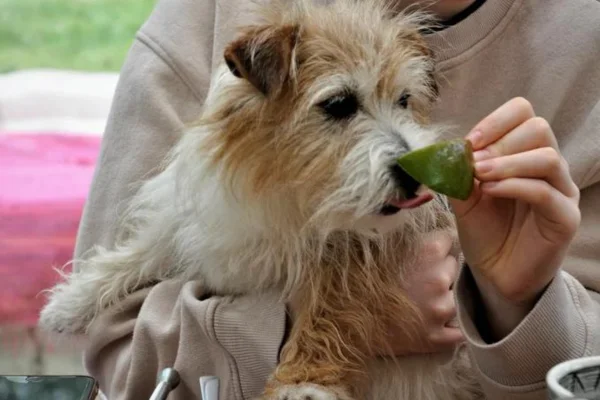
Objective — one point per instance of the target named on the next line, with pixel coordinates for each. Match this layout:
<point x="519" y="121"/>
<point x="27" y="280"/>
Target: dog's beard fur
<point x="268" y="191"/>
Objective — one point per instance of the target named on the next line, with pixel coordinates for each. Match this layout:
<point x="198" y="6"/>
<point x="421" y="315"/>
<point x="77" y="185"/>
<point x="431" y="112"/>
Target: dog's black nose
<point x="404" y="181"/>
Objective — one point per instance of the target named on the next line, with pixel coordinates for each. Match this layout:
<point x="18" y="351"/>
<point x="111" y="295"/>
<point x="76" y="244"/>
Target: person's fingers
<point x="504" y="119"/>
<point x="455" y="271"/>
<point x="442" y="309"/>
<point x="558" y="214"/>
<point x="531" y="134"/>
<point x="436" y="280"/>
<point x="448" y="273"/>
<point x="436" y="245"/>
<point x="542" y="163"/>
<point x="446" y="337"/>
<point x="453" y="323"/>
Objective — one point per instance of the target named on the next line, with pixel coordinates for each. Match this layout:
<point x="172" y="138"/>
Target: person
<point x="519" y="78"/>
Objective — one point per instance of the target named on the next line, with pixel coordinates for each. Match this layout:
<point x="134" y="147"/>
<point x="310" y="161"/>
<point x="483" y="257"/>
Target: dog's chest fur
<point x="444" y="376"/>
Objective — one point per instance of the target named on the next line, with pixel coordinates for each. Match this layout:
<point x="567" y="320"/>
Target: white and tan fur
<point x="267" y="192"/>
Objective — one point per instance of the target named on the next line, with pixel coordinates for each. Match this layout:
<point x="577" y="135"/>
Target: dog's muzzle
<point x="404" y="181"/>
<point x="409" y="188"/>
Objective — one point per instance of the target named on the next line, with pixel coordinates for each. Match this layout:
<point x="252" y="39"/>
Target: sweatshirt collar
<point x="486" y="19"/>
<point x="460" y="16"/>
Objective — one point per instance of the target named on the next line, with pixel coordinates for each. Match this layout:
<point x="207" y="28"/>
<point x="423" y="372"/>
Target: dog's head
<point x="314" y="107"/>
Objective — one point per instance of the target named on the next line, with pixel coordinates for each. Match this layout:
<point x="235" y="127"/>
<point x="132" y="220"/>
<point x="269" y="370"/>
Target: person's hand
<point x="429" y="285"/>
<point x="519" y="221"/>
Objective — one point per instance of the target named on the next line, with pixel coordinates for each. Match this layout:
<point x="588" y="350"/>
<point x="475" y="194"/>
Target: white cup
<point x="576" y="379"/>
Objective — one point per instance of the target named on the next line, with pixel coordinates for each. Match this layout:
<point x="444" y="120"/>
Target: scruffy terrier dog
<point x="289" y="182"/>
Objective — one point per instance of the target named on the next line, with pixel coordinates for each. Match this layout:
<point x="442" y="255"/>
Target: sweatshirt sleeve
<point x="161" y="88"/>
<point x="152" y="103"/>
<point x="564" y="324"/>
<point x="175" y="324"/>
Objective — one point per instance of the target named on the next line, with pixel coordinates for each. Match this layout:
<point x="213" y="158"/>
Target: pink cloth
<point x="44" y="180"/>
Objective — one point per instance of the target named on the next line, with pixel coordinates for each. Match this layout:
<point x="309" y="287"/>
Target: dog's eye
<point x="340" y="106"/>
<point x="403" y="100"/>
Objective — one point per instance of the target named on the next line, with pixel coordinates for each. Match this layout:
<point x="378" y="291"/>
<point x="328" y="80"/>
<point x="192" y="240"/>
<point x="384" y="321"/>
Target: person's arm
<point x="175" y="324"/>
<point x="170" y="324"/>
<point x="161" y="88"/>
<point x="512" y="343"/>
<point x="564" y="324"/>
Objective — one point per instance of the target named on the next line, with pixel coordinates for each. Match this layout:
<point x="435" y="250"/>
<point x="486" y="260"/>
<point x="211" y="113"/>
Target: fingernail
<point x="481" y="155"/>
<point x="483" y="167"/>
<point x="474" y="137"/>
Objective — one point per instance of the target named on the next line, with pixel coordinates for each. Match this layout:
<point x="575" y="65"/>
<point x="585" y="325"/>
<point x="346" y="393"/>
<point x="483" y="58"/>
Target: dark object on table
<point x="48" y="387"/>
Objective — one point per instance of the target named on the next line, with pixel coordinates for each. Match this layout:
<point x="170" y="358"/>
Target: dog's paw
<point x="68" y="311"/>
<point x="54" y="320"/>
<point x="306" y="391"/>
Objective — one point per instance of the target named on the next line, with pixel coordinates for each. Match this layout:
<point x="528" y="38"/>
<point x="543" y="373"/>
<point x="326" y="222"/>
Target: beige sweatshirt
<point x="545" y="50"/>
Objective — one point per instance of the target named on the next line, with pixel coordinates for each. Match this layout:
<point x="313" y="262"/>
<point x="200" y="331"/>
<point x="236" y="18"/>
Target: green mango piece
<point x="445" y="167"/>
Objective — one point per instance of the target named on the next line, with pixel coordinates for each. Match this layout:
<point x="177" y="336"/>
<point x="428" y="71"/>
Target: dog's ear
<point x="263" y="56"/>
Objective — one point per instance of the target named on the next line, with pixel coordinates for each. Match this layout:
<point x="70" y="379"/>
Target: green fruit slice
<point x="446" y="167"/>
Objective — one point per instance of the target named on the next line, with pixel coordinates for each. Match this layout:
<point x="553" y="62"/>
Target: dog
<point x="288" y="182"/>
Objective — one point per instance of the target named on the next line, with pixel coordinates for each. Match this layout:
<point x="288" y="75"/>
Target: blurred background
<point x="59" y="64"/>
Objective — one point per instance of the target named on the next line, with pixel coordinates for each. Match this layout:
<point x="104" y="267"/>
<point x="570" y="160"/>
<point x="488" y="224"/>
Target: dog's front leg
<point x="322" y="358"/>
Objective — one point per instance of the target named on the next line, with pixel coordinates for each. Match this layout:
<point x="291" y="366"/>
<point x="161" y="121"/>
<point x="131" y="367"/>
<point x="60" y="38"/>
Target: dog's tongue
<point x="411" y="203"/>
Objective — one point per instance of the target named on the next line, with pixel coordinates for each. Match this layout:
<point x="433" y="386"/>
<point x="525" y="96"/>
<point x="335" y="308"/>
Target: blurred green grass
<point x="88" y="35"/>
